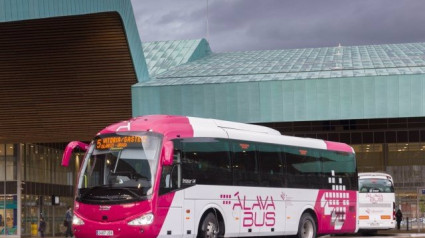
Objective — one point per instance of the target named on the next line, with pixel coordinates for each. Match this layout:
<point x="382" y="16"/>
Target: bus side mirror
<point x="168" y="153"/>
<point x="68" y="151"/>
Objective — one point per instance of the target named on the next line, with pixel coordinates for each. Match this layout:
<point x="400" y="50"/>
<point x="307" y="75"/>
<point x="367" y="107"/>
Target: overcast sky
<point x="239" y="25"/>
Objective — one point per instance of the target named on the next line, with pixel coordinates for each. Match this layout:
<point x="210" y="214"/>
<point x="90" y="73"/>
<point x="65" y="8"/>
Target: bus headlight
<point x="146" y="219"/>
<point x="77" y="221"/>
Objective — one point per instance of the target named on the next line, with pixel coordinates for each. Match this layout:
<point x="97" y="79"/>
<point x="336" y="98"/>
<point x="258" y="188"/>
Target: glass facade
<point x="30" y="175"/>
<point x="44" y="177"/>
<point x="394" y="146"/>
<point x="8" y="190"/>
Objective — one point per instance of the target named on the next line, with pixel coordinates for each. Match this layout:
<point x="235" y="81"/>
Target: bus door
<point x="171" y="198"/>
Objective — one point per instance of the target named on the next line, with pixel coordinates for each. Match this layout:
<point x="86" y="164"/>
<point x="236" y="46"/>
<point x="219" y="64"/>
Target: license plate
<point x="374" y="224"/>
<point x="104" y="232"/>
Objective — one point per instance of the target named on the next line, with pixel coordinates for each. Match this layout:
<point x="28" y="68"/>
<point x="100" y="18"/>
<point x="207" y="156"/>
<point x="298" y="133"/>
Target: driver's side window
<point x="171" y="175"/>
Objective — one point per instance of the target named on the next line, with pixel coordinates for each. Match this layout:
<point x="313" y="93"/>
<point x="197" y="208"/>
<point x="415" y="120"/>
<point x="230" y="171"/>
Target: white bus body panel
<point x="206" y="128"/>
<point x="240" y="131"/>
<point x="375" y="205"/>
<point x="174" y="221"/>
<point x="281" y="139"/>
<point x="247" y="211"/>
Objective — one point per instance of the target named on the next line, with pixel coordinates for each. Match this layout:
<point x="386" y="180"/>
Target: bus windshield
<point x="119" y="168"/>
<point x="375" y="185"/>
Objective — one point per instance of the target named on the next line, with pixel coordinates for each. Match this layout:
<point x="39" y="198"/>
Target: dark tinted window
<point x="303" y="167"/>
<point x="270" y="165"/>
<point x="340" y="165"/>
<point x="245" y="165"/>
<point x="205" y="161"/>
<point x="170" y="174"/>
<point x="374" y="185"/>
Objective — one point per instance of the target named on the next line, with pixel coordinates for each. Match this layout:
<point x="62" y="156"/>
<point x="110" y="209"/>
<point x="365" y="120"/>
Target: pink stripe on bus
<point x="168" y="125"/>
<point x="336" y="146"/>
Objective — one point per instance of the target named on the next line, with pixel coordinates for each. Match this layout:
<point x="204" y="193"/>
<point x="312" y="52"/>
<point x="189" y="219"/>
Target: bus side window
<point x="271" y="165"/>
<point x="204" y="159"/>
<point x="245" y="164"/>
<point x="343" y="166"/>
<point x="303" y="167"/>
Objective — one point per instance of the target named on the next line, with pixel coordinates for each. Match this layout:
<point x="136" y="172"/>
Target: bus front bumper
<point x="113" y="229"/>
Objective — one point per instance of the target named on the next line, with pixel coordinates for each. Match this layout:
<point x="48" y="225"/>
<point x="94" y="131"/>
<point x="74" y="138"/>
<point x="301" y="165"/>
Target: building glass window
<point x="406" y="164"/>
<point x="370" y="157"/>
<point x="8" y="196"/>
<point x="43" y="176"/>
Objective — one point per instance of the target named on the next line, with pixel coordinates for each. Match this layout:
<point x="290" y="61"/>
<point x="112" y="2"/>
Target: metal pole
<point x="19" y="171"/>
<point x="417" y="209"/>
<point x="53" y="218"/>
<point x="4" y="188"/>
<point x="208" y="30"/>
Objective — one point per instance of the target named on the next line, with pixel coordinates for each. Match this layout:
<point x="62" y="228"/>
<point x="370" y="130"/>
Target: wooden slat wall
<point x="64" y="78"/>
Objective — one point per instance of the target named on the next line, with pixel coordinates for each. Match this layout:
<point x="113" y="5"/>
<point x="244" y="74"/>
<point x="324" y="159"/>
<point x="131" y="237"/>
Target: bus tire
<point x="210" y="227"/>
<point x="307" y="227"/>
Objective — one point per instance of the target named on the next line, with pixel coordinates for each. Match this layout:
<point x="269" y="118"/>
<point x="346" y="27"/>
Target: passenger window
<point x="304" y="168"/>
<point x="271" y="165"/>
<point x="343" y="165"/>
<point x="205" y="161"/>
<point x="245" y="165"/>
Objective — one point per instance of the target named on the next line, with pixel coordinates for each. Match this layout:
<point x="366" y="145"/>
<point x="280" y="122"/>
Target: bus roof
<point x="375" y="175"/>
<point x="185" y="127"/>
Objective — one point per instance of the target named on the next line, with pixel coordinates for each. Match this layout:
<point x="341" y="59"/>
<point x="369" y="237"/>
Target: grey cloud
<point x="278" y="24"/>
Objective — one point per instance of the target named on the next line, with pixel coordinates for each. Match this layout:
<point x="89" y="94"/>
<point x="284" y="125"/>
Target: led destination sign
<point x="119" y="142"/>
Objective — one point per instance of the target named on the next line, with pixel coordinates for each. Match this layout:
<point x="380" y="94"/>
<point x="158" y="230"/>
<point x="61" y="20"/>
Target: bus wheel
<point x="307" y="227"/>
<point x="210" y="227"/>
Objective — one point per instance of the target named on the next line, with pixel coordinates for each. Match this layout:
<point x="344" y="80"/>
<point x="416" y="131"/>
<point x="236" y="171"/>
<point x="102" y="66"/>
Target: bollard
<point x="34" y="230"/>
<point x="407" y="224"/>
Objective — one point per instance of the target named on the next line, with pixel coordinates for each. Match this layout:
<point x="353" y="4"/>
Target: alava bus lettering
<point x="375" y="198"/>
<point x="256" y="213"/>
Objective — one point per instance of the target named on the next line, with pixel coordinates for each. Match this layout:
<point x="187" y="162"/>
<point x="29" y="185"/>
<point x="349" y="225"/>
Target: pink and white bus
<point x="177" y="176"/>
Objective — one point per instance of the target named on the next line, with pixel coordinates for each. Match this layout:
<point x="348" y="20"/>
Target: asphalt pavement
<point x="381" y="234"/>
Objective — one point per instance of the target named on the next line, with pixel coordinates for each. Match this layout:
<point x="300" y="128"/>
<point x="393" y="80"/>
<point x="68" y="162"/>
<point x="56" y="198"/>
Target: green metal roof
<point x="290" y="64"/>
<point x="164" y="55"/>
<point x="333" y="83"/>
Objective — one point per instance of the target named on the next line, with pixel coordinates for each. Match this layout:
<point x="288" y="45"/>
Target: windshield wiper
<point x="130" y="192"/>
<point x="138" y="176"/>
<point x="88" y="190"/>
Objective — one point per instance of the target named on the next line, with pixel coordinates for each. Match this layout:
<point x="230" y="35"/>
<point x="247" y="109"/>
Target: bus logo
<point x="260" y="212"/>
<point x="375" y="198"/>
<point x="104" y="208"/>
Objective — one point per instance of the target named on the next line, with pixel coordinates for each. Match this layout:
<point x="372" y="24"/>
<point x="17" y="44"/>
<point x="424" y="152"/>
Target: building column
<point x="19" y="156"/>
